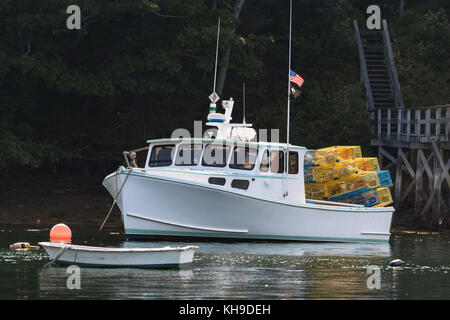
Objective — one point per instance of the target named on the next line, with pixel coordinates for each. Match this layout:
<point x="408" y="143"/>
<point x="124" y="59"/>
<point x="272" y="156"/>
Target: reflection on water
<point x="279" y="248"/>
<point x="237" y="270"/>
<point x="110" y="283"/>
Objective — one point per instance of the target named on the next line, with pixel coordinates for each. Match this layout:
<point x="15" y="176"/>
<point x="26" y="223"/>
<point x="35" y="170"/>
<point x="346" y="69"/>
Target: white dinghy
<point x="167" y="257"/>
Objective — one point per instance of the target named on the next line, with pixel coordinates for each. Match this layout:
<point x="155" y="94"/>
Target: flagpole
<point x="289" y="75"/>
<point x="288" y="101"/>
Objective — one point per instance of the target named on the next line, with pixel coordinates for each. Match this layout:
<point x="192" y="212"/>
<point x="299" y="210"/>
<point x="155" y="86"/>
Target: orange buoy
<point x="60" y="233"/>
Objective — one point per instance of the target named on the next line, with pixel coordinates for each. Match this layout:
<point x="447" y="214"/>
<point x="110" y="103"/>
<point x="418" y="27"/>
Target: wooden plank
<point x="425" y="162"/>
<point x="333" y="203"/>
<point x="406" y="162"/>
<point x="398" y="181"/>
<point x="408" y="125"/>
<point x="438" y="124"/>
<point x="408" y="189"/>
<point x="441" y="161"/>
<point x="447" y="124"/>
<point x="389" y="156"/>
<point x="364" y="73"/>
<point x="392" y="68"/>
<point x="417" y="123"/>
<point x="430" y="179"/>
<point x="427" y="123"/>
<point x="419" y="190"/>
<point x="380" y="158"/>
<point x="389" y="166"/>
<point x="389" y="123"/>
<point x="446" y="169"/>
<point x="443" y="205"/>
<point x="430" y="199"/>
<point x="379" y="123"/>
<point x="437" y="196"/>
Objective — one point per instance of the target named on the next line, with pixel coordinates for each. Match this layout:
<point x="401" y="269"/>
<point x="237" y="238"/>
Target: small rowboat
<point x="167" y="257"/>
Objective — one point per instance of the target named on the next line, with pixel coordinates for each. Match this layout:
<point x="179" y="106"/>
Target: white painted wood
<point x="160" y="203"/>
<point x="120" y="257"/>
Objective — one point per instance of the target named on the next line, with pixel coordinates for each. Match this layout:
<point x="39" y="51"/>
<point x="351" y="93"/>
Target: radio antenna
<point x="214" y="97"/>
<point x="243" y="108"/>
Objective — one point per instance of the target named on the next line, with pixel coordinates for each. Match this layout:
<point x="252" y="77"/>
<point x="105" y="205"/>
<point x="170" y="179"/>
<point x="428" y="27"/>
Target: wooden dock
<point x="410" y="140"/>
<point x="420" y="147"/>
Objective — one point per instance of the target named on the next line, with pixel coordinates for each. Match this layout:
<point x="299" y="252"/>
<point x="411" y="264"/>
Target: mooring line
<point x="60" y="253"/>
<point x="115" y="199"/>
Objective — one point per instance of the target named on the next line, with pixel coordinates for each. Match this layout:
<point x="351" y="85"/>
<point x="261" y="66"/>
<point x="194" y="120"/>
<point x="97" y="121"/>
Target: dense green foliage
<point x="139" y="69"/>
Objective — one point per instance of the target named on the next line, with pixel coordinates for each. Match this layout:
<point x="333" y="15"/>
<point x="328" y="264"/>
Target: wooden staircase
<point x="379" y="75"/>
<point x="380" y="82"/>
<point x="415" y="141"/>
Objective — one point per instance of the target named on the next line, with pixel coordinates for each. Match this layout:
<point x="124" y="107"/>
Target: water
<point x="237" y="270"/>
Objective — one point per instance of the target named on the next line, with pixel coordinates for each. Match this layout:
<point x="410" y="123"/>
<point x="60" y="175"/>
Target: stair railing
<point x="364" y="73"/>
<point x="391" y="66"/>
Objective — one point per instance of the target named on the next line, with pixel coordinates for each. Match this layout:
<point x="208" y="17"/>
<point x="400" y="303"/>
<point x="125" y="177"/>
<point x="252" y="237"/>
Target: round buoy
<point x="60" y="233"/>
<point x="396" y="263"/>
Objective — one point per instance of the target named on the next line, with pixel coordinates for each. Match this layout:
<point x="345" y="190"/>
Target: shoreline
<point x="38" y="199"/>
<point x="42" y="199"/>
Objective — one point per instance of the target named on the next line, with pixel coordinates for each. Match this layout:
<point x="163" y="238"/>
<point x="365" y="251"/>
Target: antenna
<point x="243" y="109"/>
<point x="214" y="97"/>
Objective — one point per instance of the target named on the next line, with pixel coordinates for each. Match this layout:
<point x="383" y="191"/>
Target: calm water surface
<point x="236" y="270"/>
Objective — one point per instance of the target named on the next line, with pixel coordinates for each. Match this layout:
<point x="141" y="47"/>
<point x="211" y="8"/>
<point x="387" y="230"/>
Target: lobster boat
<point x="229" y="187"/>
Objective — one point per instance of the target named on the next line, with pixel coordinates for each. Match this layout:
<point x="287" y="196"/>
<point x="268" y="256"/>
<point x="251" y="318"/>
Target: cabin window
<point x="161" y="156"/>
<point x="188" y="155"/>
<point x="218" y="181"/>
<point x="243" y="158"/>
<point x="215" y="155"/>
<point x="240" y="184"/>
<point x="264" y="166"/>
<point x="277" y="161"/>
<point x="293" y="162"/>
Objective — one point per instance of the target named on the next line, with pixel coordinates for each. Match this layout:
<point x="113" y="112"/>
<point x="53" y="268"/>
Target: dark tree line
<point x="139" y="69"/>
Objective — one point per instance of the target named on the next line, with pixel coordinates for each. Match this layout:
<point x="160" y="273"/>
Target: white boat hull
<point x="160" y="207"/>
<point x="167" y="257"/>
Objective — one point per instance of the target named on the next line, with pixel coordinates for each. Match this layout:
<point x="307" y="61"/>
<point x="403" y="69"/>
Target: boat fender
<point x="22" y="245"/>
<point x="396" y="263"/>
<point x="266" y="183"/>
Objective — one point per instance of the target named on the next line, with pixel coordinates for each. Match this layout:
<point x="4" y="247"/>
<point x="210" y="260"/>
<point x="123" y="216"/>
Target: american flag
<point x="295" y="78"/>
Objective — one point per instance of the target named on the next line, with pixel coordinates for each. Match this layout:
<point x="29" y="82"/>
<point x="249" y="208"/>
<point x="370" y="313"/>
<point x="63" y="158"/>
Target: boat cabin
<point x="258" y="169"/>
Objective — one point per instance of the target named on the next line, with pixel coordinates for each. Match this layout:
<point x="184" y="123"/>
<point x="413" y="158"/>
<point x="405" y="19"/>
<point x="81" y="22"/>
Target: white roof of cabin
<point x="250" y="143"/>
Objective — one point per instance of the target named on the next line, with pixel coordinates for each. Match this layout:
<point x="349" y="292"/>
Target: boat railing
<point x="130" y="157"/>
<point x="333" y="203"/>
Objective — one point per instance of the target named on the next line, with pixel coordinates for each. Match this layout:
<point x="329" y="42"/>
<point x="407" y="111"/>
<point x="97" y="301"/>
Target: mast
<point x="289" y="75"/>
<point x="286" y="160"/>
<point x="214" y="97"/>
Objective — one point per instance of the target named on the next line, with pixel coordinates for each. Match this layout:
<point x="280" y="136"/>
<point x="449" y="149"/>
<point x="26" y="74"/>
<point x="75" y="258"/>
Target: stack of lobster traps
<point x="341" y="174"/>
